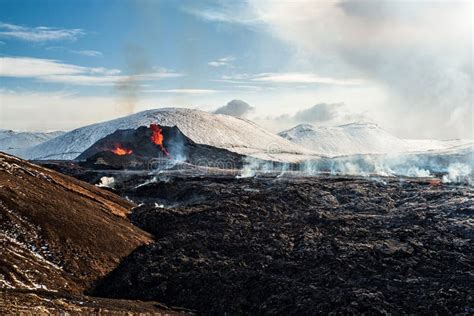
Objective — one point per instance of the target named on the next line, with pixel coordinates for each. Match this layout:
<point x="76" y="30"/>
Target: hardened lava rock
<point x="302" y="246"/>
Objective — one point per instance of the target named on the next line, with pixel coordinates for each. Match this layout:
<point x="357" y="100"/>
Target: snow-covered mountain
<point x="359" y="138"/>
<point x="232" y="133"/>
<point x="355" y="138"/>
<point x="10" y="140"/>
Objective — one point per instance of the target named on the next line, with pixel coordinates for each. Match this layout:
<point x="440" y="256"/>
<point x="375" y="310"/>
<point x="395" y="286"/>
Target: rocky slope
<point x="40" y="302"/>
<point x="58" y="236"/>
<point x="276" y="245"/>
<point x="59" y="233"/>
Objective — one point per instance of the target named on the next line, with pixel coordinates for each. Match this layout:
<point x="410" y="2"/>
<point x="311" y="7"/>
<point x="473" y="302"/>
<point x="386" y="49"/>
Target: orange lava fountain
<point x="157" y="137"/>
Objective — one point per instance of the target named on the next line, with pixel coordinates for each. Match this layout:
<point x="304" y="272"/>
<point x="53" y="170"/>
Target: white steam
<point x="149" y="181"/>
<point x="457" y="172"/>
<point x="453" y="167"/>
<point x="252" y="165"/>
<point x="417" y="172"/>
<point x="107" y="182"/>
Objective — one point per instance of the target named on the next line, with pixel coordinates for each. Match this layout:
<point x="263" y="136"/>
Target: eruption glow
<point x="118" y="150"/>
<point x="157" y="137"/>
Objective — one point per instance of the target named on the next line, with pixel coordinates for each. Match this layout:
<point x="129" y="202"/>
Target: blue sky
<point x="116" y="35"/>
<point x="403" y="65"/>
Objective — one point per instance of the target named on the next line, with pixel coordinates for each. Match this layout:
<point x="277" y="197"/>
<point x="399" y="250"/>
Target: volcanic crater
<point x="141" y="148"/>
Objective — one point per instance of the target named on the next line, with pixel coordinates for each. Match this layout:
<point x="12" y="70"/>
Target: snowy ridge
<point x="11" y="140"/>
<point x="360" y="138"/>
<point x="235" y="134"/>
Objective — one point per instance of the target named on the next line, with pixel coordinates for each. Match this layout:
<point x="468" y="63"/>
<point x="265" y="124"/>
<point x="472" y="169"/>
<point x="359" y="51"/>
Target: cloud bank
<point x="49" y="70"/>
<point x="289" y="78"/>
<point x="321" y="114"/>
<point x="419" y="54"/>
<point x="327" y="113"/>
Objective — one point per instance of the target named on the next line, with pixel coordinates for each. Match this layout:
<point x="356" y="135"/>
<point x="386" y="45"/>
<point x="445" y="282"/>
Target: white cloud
<point x="224" y="61"/>
<point x="38" y="34"/>
<point x="50" y="70"/>
<point x="288" y="78"/>
<point x="303" y="78"/>
<point x="88" y="53"/>
<point x="328" y="114"/>
<point x="104" y="71"/>
<point x="415" y="50"/>
<point x="182" y="91"/>
<point x="416" y="53"/>
<point x="35" y="67"/>
<point x="321" y="114"/>
<point x="81" y="79"/>
<point x="229" y="12"/>
<point x="236" y="108"/>
<point x="159" y="74"/>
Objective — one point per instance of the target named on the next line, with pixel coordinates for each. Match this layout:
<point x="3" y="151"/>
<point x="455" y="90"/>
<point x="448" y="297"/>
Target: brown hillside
<point x="58" y="233"/>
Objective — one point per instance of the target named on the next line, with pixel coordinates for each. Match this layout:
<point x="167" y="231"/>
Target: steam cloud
<point x="236" y="108"/>
<point x="416" y="55"/>
<point x="453" y="167"/>
<point x="457" y="172"/>
<point x="106" y="182"/>
<point x="321" y="114"/>
<point x="419" y="53"/>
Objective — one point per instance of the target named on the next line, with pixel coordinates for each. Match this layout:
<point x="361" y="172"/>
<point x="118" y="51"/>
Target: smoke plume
<point x="130" y="88"/>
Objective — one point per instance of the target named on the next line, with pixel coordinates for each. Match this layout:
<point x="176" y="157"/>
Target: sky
<point x="405" y="65"/>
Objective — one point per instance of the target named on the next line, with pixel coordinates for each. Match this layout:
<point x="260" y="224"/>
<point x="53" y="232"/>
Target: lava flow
<point x="118" y="150"/>
<point x="157" y="137"/>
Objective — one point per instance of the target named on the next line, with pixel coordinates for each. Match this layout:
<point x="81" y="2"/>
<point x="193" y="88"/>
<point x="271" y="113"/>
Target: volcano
<point x="234" y="134"/>
<point x="142" y="147"/>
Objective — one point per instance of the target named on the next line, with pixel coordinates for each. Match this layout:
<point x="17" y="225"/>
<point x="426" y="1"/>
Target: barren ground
<point x="289" y="245"/>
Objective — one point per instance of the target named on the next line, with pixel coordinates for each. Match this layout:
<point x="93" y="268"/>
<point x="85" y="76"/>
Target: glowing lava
<point x="118" y="150"/>
<point x="157" y="137"/>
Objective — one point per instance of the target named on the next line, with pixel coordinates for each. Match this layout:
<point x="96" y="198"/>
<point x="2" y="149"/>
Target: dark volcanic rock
<point x="302" y="246"/>
<point x="57" y="236"/>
